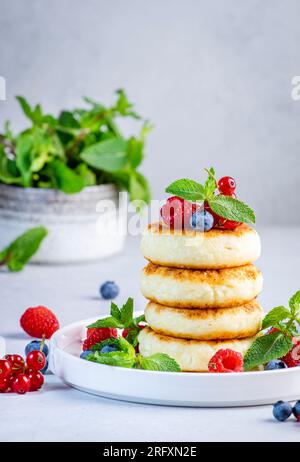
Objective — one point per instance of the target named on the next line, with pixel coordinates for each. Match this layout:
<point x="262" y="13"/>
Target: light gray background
<point x="213" y="76"/>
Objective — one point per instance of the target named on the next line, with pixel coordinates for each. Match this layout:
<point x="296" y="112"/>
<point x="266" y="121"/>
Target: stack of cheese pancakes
<point x="202" y="290"/>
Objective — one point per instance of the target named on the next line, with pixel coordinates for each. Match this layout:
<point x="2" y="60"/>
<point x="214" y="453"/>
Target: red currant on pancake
<point x="227" y="185"/>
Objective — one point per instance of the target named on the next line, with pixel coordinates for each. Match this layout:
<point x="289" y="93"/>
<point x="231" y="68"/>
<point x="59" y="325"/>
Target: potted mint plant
<point x="54" y="175"/>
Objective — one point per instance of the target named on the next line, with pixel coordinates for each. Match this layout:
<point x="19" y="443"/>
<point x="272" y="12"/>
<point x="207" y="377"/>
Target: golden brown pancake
<point x="205" y="324"/>
<point x="191" y="355"/>
<point x="222" y="288"/>
<point x="193" y="249"/>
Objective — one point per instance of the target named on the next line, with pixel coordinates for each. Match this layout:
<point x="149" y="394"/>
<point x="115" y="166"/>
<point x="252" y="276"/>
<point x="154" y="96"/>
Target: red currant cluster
<point x="19" y="376"/>
<point x="176" y="212"/>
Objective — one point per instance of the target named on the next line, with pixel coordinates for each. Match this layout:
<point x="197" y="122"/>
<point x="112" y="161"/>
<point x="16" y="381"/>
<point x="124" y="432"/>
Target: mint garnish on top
<point x="225" y="206"/>
<point x="278" y="343"/>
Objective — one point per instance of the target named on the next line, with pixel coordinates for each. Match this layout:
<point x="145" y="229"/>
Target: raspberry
<point x="226" y="361"/>
<point x="292" y="358"/>
<point x="176" y="212"/>
<point x="39" y="322"/>
<point x="98" y="335"/>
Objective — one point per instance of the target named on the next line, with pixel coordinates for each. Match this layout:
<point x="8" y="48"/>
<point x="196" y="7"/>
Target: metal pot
<point x="81" y="227"/>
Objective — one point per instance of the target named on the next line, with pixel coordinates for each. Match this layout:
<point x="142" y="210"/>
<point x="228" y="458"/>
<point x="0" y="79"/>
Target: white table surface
<point x="59" y="413"/>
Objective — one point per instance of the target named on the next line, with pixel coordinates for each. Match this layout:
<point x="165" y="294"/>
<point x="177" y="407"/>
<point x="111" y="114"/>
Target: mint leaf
<point x="9" y="173"/>
<point x="124" y="357"/>
<point x="210" y="184"/>
<point x="159" y="362"/>
<point x="139" y="319"/>
<point x="139" y="188"/>
<point x="109" y="155"/>
<point x="275" y="316"/>
<point x="127" y="313"/>
<point x="20" y="251"/>
<point x="107" y="322"/>
<point x="115" y="312"/>
<point x="65" y="178"/>
<point x="187" y="189"/>
<point x="24" y="150"/>
<point x="294" y="303"/>
<point x="115" y="358"/>
<point x="266" y="348"/>
<point x="231" y="208"/>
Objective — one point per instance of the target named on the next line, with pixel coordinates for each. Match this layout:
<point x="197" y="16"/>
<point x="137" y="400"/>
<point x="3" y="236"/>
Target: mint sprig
<point x="126" y="357"/>
<point x="226" y="206"/>
<point x="20" y="251"/>
<point x="122" y="318"/>
<point x="272" y="346"/>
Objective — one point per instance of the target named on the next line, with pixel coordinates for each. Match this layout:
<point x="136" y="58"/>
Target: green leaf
<point x="139" y="188"/>
<point x="187" y="189"/>
<point x="65" y="179"/>
<point x="126" y="313"/>
<point x="266" y="348"/>
<point x="294" y="303"/>
<point x="139" y="319"/>
<point x="24" y="155"/>
<point x="88" y="176"/>
<point x="9" y="173"/>
<point x="132" y="336"/>
<point x="159" y="362"/>
<point x="109" y="155"/>
<point x="231" y="208"/>
<point x="135" y="152"/>
<point x="210" y="184"/>
<point x="26" y="107"/>
<point x="20" y="251"/>
<point x="275" y="316"/>
<point x="110" y="321"/>
<point x="115" y="312"/>
<point x="124" y="357"/>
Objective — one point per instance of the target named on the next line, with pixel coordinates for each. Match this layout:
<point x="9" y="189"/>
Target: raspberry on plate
<point x="98" y="335"/>
<point x="226" y="360"/>
<point x="292" y="358"/>
<point x="39" y="322"/>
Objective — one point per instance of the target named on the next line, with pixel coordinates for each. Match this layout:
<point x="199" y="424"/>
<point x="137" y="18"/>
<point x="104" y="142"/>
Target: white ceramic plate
<point x="166" y="388"/>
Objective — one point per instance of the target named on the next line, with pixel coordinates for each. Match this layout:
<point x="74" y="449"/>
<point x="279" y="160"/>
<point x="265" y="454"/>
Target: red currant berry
<point x="176" y="212"/>
<point x="20" y="384"/>
<point x="17" y="363"/>
<point x="36" y="380"/>
<point x="36" y="360"/>
<point x="5" y="369"/>
<point x="226" y="185"/>
<point x="228" y="224"/>
<point x="4" y="385"/>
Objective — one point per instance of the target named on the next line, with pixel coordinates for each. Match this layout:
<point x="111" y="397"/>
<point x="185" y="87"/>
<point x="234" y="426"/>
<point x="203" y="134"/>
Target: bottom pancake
<point x="205" y="324"/>
<point x="191" y="355"/>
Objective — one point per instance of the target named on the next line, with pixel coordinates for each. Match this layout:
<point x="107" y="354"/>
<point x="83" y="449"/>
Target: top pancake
<point x="193" y="249"/>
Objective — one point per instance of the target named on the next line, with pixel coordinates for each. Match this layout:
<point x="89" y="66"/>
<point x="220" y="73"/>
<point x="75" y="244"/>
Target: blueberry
<point x="275" y="364"/>
<point x="202" y="220"/>
<point x="84" y="354"/>
<point x="35" y="345"/>
<point x="108" y="349"/>
<point x="109" y="290"/>
<point x="43" y="371"/>
<point x="282" y="410"/>
<point x="296" y="410"/>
